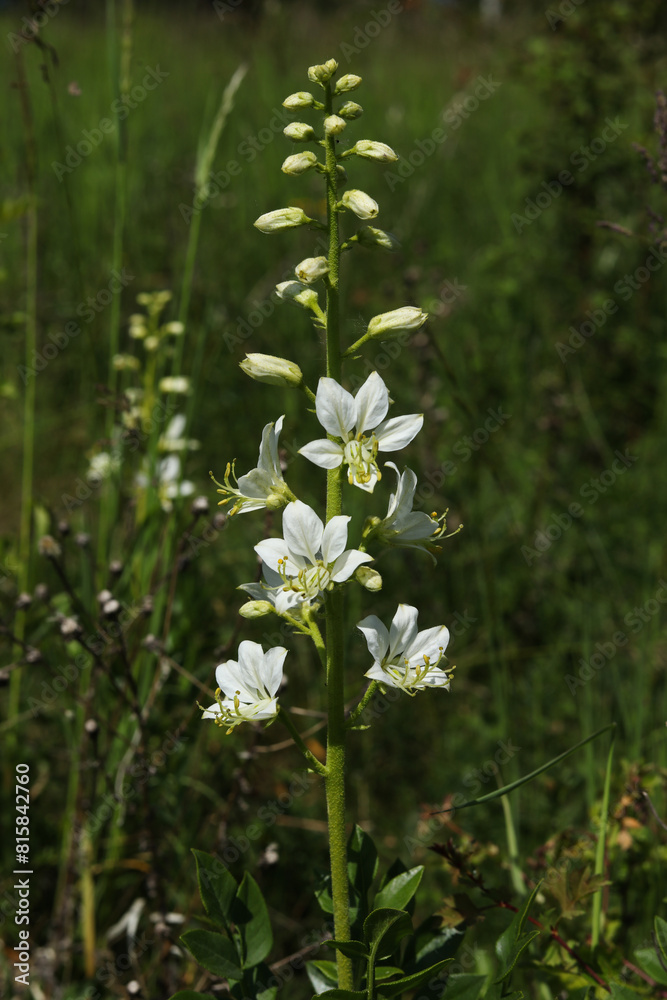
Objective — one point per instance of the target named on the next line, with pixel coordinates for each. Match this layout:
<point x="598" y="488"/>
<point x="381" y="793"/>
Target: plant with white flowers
<point x="311" y="560"/>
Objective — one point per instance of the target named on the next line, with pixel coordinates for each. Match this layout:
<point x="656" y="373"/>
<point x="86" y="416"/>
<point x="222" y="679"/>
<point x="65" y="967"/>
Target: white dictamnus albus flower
<point x="310" y="269"/>
<point x="334" y="125"/>
<point x="346" y="83"/>
<point x="298" y="163"/>
<point x="398" y="320"/>
<point x="272" y="370"/>
<point x="310" y="558"/>
<point x="302" y="99"/>
<point x="403" y="657"/>
<point x="281" y="218"/>
<point x="371" y="150"/>
<point x="249" y="685"/>
<point x="363" y="206"/>
<point x="402" y="526"/>
<point x="299" y="132"/>
<point x="358" y="422"/>
<point x="322" y="73"/>
<point x="264" y="485"/>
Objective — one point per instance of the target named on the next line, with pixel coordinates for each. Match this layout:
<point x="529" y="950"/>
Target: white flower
<point x="334" y="124"/>
<point x="310" y="558"/>
<point x="298" y="163"/>
<point x="403" y="657"/>
<point x="250" y="686"/>
<point x="299" y="132"/>
<point x="372" y="150"/>
<point x="174" y="383"/>
<point x="402" y="525"/>
<point x="396" y="321"/>
<point x="272" y="370"/>
<point x="322" y="74"/>
<point x="263" y="486"/>
<point x="311" y="269"/>
<point x="347" y="82"/>
<point x="274" y="590"/>
<point x="350" y="110"/>
<point x="168" y="481"/>
<point x="370" y="236"/>
<point x="281" y="218"/>
<point x="302" y="99"/>
<point x="103" y="465"/>
<point x="173" y="440"/>
<point x="339" y="412"/>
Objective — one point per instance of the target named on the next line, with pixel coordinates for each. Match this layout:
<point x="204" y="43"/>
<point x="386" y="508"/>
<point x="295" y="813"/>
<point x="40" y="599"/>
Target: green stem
<point x="596" y="926"/>
<point x="354" y="715"/>
<point x="335" y="779"/>
<point x="314" y="763"/>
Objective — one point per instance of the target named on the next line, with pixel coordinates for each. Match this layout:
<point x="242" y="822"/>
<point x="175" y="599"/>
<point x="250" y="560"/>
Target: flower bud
<point x="347" y="82"/>
<point x="125" y="362"/>
<point x="255" y="609"/>
<point x="363" y="206"/>
<point x="302" y="99"/>
<point x="322" y="74"/>
<point x="299" y="163"/>
<point x="350" y="110"/>
<point x="371" y="150"/>
<point x="175" y="328"/>
<point x="369" y="236"/>
<point x="390" y="323"/>
<point x="333" y="125"/>
<point x="311" y="269"/>
<point x="152" y="343"/>
<point x="299" y="132"/>
<point x="273" y="371"/>
<point x="294" y="291"/>
<point x="369" y="578"/>
<point x="282" y="218"/>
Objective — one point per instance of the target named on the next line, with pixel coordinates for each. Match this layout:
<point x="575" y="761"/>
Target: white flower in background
<point x="403" y="657"/>
<point x="359" y="422"/>
<point x="404" y="526"/>
<point x="167" y="481"/>
<point x="103" y="465"/>
<point x="263" y="486"/>
<point x="174" y="383"/>
<point x="250" y="685"/>
<point x="310" y="558"/>
<point x="173" y="440"/>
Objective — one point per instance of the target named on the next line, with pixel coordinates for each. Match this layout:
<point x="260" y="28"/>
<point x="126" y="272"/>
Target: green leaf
<point x="215" y="952"/>
<point x="191" y="995"/>
<point x="217" y="888"/>
<point x="620" y="992"/>
<point x="353" y="949"/>
<point x="399" y="891"/>
<point x="432" y="942"/>
<point x="660" y="928"/>
<point x="323" y="895"/>
<point x="513" y="941"/>
<point x="464" y="986"/>
<point x="362" y="862"/>
<point x="385" y="971"/>
<point x="323" y="975"/>
<point x="252" y="918"/>
<point x="344" y="994"/>
<point x="649" y="961"/>
<point x="385" y="927"/>
<point x="410" y="982"/>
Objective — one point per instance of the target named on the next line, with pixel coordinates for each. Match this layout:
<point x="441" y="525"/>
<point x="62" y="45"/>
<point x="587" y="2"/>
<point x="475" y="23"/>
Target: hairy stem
<point x="335" y="780"/>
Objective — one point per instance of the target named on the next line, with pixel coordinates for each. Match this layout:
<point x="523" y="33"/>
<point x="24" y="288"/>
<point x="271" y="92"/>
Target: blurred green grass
<point x="494" y="348"/>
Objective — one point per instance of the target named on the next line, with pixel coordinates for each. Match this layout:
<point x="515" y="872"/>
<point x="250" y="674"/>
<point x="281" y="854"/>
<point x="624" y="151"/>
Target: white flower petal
<point x="271" y="550"/>
<point x="274" y="659"/>
<point x="303" y="530"/>
<point x="432" y="642"/>
<point x="268" y="450"/>
<point x="347" y="563"/>
<point x="334" y="538"/>
<point x="402" y="630"/>
<point x="371" y="402"/>
<point x="335" y="408"/>
<point x="398" y="431"/>
<point x="324" y="453"/>
<point x="376" y="635"/>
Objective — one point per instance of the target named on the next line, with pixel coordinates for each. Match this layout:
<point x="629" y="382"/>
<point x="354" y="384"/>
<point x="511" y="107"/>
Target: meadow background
<point x="539" y="316"/>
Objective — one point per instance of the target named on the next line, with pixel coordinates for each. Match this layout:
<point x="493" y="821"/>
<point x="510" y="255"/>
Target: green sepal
<point x="385" y="927"/>
<point x="405" y="983"/>
<point x="214" y="952"/>
<point x="217" y="888"/>
<point x="252" y="919"/>
<point x="464" y="986"/>
<point x="512" y="942"/>
<point x="353" y="949"/>
<point x="398" y="892"/>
